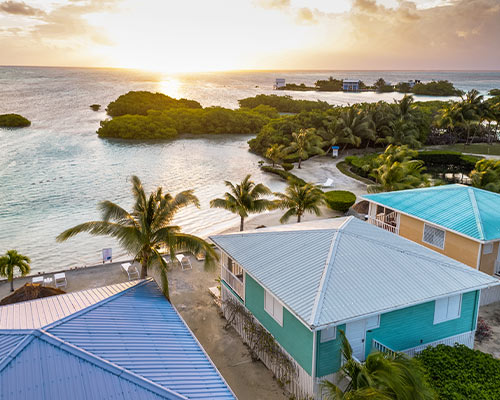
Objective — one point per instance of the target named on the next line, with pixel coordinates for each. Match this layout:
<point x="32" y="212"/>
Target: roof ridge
<point x="106" y="365"/>
<point x="420" y="189"/>
<point x="320" y="294"/>
<point x="477" y="214"/>
<point x="16" y="350"/>
<point x="94" y="306"/>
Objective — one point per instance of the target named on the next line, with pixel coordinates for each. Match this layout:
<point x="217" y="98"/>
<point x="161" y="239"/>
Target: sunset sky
<point x="200" y="35"/>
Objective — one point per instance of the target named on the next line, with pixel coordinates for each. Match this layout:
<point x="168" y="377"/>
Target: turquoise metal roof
<point x="331" y="271"/>
<point x="132" y="345"/>
<point x="466" y="210"/>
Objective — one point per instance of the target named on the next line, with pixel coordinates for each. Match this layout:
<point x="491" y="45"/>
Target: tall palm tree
<point x="383" y="376"/>
<point x="275" y="153"/>
<point x="305" y="142"/>
<point x="299" y="199"/>
<point x="12" y="260"/>
<point x="352" y="127"/>
<point x="145" y="230"/>
<point x="244" y="198"/>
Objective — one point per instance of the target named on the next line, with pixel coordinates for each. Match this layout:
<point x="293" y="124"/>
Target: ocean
<point x="54" y="173"/>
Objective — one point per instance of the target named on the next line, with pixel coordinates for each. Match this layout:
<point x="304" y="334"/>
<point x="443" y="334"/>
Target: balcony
<point x="388" y="221"/>
<point x="234" y="281"/>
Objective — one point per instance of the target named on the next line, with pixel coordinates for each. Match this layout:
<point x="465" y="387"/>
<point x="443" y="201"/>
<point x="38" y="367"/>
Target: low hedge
<point x="345" y="168"/>
<point x="287" y="166"/>
<point x="282" y="173"/>
<point x="340" y="200"/>
<point x="448" y="161"/>
<point x="13" y="121"/>
<point x="461" y="373"/>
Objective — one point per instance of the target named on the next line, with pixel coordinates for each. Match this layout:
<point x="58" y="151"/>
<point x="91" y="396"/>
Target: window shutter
<point x="278" y="312"/>
<point x="453" y="307"/>
<point x="373" y="322"/>
<point x="268" y="302"/>
<point x="440" y="310"/>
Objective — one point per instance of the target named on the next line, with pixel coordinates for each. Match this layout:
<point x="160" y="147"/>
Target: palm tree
<point x="12" y="260"/>
<point x="305" y="143"/>
<point x="298" y="199"/>
<point x="383" y="376"/>
<point x="145" y="229"/>
<point x="486" y="175"/>
<point x="352" y="126"/>
<point x="275" y="153"/>
<point x="244" y="198"/>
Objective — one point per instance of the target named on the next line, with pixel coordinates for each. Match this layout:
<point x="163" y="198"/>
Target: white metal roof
<point x="334" y="270"/>
<point x="37" y="313"/>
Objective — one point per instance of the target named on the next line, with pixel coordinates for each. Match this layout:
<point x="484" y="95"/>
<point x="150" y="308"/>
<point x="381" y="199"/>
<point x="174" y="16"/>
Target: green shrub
<point x="461" y="373"/>
<point x="13" y="121"/>
<point x="287" y="166"/>
<point x="284" y="104"/>
<point x="340" y="200"/>
<point x="95" y="107"/>
<point x="494" y="92"/>
<point x="448" y="161"/>
<point x="283" y="174"/>
<point x="139" y="103"/>
<point x="439" y="88"/>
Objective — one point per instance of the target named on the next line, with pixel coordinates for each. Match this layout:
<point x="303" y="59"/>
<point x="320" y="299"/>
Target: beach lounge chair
<point x="328" y="183"/>
<point x="184" y="261"/>
<point x="60" y="280"/>
<point x="131" y="271"/>
<point x="37" y="279"/>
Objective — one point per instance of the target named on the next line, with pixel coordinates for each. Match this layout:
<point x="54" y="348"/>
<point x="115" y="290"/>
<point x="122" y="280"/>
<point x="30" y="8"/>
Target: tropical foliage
<point x="13" y="121"/>
<point x="486" y="175"/>
<point x="298" y="199"/>
<point x="141" y="102"/>
<point x="11" y="261"/>
<point x="275" y="153"/>
<point x="436" y="88"/>
<point x="244" y="198"/>
<point x="147" y="229"/>
<point x="304" y="143"/>
<point x="284" y="104"/>
<point x="461" y="373"/>
<point x="383" y="376"/>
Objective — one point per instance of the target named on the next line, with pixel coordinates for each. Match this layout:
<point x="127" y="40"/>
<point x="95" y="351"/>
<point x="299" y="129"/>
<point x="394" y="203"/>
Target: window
<point x="488" y="248"/>
<point x="433" y="236"/>
<point x="373" y="322"/>
<point x="447" y="309"/>
<point x="328" y="334"/>
<point x="273" y="307"/>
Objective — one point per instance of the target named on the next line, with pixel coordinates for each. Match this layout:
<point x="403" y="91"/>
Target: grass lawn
<point x="475" y="148"/>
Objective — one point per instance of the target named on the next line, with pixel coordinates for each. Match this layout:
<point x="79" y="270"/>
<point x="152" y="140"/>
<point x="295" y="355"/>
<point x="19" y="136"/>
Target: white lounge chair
<point x="328" y="183"/>
<point x="131" y="271"/>
<point x="60" y="280"/>
<point x="184" y="261"/>
<point x="37" y="279"/>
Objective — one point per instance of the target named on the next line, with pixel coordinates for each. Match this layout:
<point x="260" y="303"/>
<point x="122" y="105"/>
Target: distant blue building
<point x="350" y="85"/>
<point x="124" y="341"/>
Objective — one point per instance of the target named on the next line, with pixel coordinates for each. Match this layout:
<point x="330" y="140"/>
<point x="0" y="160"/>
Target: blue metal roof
<point x="463" y="209"/>
<point x="331" y="271"/>
<point x="132" y="345"/>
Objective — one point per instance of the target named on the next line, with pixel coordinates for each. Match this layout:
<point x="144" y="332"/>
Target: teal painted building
<point x="306" y="282"/>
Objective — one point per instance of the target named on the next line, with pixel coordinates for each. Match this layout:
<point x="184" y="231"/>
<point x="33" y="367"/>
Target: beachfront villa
<point x="306" y="282"/>
<point x="123" y="341"/>
<point x="350" y="85"/>
<point x="280" y="83"/>
<point x="459" y="221"/>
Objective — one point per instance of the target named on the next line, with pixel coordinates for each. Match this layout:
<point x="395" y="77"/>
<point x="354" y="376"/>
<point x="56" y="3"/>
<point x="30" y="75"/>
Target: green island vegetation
<point x="494" y="92"/>
<point x="433" y="88"/>
<point x="95" y="107"/>
<point x="461" y="373"/>
<point x="140" y="102"/>
<point x="13" y="121"/>
<point x="340" y="200"/>
<point x="283" y="104"/>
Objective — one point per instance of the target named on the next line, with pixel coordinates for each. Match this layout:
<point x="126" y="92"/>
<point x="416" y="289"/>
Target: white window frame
<point x="277" y="308"/>
<point x="438" y="302"/>
<point x="376" y="322"/>
<point x="432" y="244"/>
<point x="487" y="248"/>
<point x="328" y="334"/>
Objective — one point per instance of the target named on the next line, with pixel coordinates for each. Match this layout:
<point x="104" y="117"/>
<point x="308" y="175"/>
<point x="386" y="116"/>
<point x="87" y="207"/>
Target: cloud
<point x="305" y="16"/>
<point x="273" y="4"/>
<point x="20" y="8"/>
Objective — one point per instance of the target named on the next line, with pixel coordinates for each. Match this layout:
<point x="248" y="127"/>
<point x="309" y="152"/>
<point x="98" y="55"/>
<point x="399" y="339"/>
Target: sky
<point x="201" y="35"/>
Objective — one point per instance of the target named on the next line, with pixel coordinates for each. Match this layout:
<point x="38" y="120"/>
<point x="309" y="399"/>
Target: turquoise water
<point x="53" y="174"/>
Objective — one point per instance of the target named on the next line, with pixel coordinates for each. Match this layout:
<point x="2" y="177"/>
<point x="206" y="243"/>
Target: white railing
<point x="233" y="281"/>
<point x="466" y="338"/>
<point x="384" y="225"/>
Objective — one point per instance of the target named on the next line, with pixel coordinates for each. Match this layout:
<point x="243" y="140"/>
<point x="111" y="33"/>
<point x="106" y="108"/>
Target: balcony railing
<point x="384" y="225"/>
<point x="233" y="281"/>
<point x="466" y="338"/>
